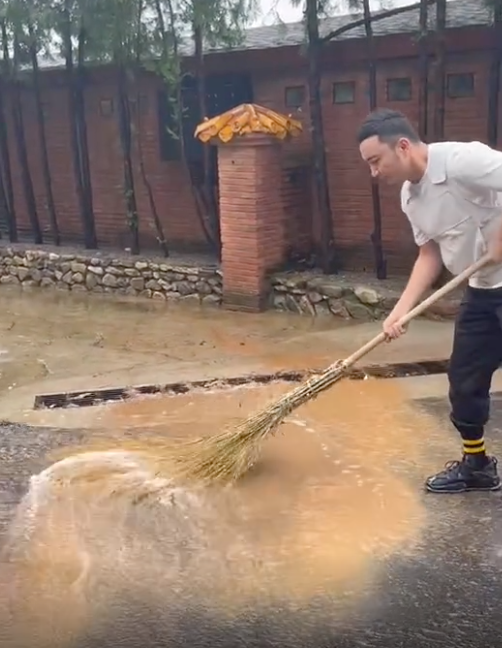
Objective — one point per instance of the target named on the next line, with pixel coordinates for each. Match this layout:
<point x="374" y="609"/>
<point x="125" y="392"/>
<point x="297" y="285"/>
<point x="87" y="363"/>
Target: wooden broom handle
<point x="418" y="310"/>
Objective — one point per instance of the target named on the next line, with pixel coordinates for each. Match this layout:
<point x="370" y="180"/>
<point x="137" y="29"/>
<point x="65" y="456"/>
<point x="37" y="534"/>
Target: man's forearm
<point x="495" y="245"/>
<point x="426" y="270"/>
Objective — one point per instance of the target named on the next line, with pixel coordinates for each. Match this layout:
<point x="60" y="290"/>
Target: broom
<point x="227" y="456"/>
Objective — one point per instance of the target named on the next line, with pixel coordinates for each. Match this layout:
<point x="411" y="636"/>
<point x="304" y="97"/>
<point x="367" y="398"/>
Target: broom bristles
<point x="227" y="456"/>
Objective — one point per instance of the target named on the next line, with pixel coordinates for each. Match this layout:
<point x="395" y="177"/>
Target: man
<point x="449" y="195"/>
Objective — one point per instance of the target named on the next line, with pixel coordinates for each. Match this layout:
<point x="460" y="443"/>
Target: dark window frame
<point x="106" y="107"/>
<point x="452" y="93"/>
<point x="397" y="80"/>
<point x="351" y="84"/>
<point x="295" y="88"/>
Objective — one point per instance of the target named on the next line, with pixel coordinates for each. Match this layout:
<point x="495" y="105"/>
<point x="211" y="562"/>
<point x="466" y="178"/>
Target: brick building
<point x="269" y="68"/>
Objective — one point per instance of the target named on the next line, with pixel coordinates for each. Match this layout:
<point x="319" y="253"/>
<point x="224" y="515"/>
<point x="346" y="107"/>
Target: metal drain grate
<point x="99" y="396"/>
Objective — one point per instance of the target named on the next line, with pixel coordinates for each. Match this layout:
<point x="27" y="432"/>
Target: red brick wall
<point x="349" y="182"/>
<point x="170" y="188"/>
<point x="252" y="219"/>
<point x="296" y="192"/>
<point x="272" y="72"/>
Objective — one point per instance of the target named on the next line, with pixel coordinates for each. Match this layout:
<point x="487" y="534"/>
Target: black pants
<point x="477" y="353"/>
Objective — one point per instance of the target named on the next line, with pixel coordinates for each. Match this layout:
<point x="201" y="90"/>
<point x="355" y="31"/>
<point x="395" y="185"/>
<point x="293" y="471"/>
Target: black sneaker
<point x="462" y="476"/>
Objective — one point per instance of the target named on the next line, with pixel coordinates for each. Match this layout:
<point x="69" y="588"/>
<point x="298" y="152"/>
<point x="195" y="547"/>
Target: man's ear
<point x="402" y="144"/>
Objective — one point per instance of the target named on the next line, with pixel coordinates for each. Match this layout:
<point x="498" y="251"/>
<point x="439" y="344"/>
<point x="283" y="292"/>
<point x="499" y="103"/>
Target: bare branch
<point x="374" y="18"/>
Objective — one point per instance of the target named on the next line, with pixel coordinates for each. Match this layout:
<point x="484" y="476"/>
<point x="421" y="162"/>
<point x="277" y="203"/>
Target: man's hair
<point x="388" y="125"/>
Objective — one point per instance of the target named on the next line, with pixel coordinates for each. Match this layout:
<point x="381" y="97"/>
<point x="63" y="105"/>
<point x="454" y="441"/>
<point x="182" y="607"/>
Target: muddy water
<point x="330" y="499"/>
<point x="43" y="331"/>
<point x="333" y="497"/>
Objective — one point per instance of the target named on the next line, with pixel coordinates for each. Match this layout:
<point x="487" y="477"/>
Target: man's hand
<point x="391" y="326"/>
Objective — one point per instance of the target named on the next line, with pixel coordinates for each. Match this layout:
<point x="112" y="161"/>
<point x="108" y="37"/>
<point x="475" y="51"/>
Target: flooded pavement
<point x="329" y="541"/>
<point x="54" y="342"/>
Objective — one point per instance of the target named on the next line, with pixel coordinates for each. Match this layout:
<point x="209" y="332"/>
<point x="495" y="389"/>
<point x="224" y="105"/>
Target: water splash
<point x="103" y="475"/>
<point x="79" y="539"/>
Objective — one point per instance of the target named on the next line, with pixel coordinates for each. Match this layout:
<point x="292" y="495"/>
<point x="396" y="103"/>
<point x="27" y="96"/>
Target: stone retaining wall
<point x="324" y="296"/>
<point x="347" y="297"/>
<point x="122" y="275"/>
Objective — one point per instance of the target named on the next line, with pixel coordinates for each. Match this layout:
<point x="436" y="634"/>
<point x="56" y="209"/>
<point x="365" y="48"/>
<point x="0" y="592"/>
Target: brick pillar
<point x="251" y="217"/>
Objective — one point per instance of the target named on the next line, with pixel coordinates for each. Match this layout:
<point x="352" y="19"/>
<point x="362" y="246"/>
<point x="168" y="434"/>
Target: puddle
<point x="333" y="497"/>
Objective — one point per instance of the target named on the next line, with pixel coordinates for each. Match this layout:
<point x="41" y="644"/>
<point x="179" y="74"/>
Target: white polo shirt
<point x="458" y="204"/>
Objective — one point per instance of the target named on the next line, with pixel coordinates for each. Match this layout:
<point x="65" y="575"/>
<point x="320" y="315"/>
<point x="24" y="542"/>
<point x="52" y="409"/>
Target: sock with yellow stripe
<point x="475" y="451"/>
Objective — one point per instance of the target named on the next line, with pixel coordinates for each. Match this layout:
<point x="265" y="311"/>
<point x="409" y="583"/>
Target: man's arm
<point x="426" y="270"/>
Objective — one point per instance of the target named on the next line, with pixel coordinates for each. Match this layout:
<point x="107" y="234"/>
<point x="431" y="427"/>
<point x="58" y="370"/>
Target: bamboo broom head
<point x="226" y="457"/>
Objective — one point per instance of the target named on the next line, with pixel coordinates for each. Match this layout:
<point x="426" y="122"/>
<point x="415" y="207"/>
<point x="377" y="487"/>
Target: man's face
<point x="388" y="162"/>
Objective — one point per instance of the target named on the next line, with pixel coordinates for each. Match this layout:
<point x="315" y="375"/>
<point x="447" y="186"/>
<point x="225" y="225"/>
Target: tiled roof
<point x="459" y="13"/>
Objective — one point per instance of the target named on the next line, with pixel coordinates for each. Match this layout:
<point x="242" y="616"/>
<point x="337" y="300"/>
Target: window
<point x="46" y="109"/>
<point x="106" y="107"/>
<point x="344" y="92"/>
<point x="294" y="96"/>
<point x="460" y="85"/>
<point x="399" y="89"/>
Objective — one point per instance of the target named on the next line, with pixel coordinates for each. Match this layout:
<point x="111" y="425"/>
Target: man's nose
<point x="374" y="172"/>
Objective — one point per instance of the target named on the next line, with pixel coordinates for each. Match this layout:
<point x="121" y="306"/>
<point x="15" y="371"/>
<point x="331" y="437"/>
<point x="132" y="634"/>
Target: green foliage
<point x="153" y="33"/>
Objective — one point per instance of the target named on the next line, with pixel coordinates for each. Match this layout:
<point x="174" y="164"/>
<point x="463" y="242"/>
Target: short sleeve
<point x="476" y="165"/>
<point x="419" y="236"/>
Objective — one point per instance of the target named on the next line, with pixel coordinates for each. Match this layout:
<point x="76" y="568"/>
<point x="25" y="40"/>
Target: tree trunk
<point x="86" y="218"/>
<point x="137" y="130"/>
<point x="423" y="64"/>
<point x="43" y="141"/>
<point x="494" y="79"/>
<point x="161" y="237"/>
<point x="376" y="236"/>
<point x="22" y="151"/>
<point x="4" y="208"/>
<point x="327" y="252"/>
<point x="4" y="142"/>
<point x="6" y="175"/>
<point x="179" y="107"/>
<point x="124" y="115"/>
<point x="207" y="194"/>
<point x="82" y="133"/>
<point x="439" y="71"/>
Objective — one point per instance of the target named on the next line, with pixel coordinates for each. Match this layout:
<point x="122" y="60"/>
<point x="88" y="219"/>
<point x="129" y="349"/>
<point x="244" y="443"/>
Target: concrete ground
<point x="332" y="542"/>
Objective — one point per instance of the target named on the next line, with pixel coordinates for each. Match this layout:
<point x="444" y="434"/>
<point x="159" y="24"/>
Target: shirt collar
<point x="436" y="164"/>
